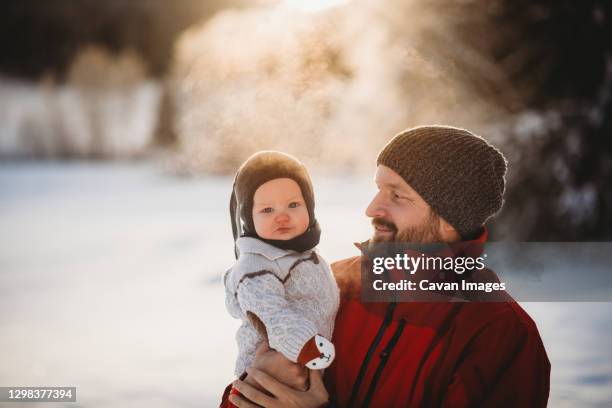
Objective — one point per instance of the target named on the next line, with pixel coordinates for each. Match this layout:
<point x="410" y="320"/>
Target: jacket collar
<point x="249" y="245"/>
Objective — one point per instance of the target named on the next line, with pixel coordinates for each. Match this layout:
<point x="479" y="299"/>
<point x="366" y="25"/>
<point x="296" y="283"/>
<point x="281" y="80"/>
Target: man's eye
<point x="267" y="210"/>
<point x="399" y="197"/>
<point x="294" y="205"/>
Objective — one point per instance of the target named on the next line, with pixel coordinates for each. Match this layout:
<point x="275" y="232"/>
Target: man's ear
<point x="448" y="232"/>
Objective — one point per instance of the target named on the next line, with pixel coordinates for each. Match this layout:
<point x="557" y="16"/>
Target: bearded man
<point x="436" y="184"/>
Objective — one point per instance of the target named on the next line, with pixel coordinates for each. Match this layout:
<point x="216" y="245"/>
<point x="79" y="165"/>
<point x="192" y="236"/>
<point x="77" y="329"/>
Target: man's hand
<point x="280" y="395"/>
<point x="278" y="366"/>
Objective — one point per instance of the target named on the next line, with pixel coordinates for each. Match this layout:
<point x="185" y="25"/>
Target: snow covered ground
<point x="110" y="282"/>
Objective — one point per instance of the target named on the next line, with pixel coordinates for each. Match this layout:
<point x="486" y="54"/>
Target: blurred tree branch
<point x="40" y="37"/>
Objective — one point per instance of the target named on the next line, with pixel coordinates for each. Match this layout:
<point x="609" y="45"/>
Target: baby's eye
<point x="294" y="204"/>
<point x="266" y="210"/>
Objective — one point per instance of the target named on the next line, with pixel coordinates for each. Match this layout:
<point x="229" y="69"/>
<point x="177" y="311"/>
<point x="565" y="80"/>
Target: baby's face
<point x="279" y="210"/>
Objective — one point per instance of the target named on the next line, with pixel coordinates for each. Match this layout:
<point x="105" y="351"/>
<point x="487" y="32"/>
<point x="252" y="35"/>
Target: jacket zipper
<point x="384" y="357"/>
<point x="368" y="357"/>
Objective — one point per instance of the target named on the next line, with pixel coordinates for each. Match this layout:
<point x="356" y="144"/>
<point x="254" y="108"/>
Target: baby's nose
<point x="282" y="217"/>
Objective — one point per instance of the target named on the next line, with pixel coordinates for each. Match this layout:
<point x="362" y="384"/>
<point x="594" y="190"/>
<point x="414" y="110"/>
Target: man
<point x="435" y="184"/>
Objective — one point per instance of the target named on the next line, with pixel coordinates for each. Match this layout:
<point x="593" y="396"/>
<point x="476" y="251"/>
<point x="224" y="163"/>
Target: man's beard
<point x="426" y="233"/>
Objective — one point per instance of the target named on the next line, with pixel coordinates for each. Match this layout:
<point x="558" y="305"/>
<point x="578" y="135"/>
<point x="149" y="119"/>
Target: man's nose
<point x="376" y="207"/>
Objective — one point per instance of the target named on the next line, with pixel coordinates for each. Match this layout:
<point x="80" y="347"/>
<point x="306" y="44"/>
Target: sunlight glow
<point x="312" y="5"/>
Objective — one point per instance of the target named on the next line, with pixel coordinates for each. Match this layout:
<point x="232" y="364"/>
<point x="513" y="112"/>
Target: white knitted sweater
<point x="294" y="294"/>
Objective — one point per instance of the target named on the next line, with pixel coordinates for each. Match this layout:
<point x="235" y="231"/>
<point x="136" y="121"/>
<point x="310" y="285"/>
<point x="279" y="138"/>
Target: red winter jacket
<point x="432" y="354"/>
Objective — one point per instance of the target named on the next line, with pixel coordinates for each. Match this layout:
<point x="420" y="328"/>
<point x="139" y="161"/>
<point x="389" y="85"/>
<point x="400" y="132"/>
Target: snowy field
<point x="110" y="282"/>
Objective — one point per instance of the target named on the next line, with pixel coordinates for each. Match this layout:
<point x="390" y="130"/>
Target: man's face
<point x="400" y="214"/>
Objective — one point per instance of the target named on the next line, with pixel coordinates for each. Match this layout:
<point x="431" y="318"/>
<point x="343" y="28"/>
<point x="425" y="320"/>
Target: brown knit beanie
<point x="263" y="167"/>
<point x="459" y="174"/>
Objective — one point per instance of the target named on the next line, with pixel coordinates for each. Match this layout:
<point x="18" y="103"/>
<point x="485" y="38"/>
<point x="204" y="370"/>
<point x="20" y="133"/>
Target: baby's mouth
<point x="283" y="230"/>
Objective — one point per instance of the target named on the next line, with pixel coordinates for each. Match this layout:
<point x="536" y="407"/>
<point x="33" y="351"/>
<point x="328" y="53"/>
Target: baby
<point x="280" y="287"/>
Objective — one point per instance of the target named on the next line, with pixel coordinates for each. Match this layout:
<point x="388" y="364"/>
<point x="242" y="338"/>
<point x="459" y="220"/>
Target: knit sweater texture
<point x="294" y="294"/>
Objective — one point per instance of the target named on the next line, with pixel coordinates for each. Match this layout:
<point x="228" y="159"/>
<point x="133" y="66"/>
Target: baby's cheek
<point x="262" y="224"/>
<point x="304" y="218"/>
